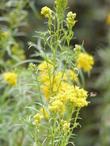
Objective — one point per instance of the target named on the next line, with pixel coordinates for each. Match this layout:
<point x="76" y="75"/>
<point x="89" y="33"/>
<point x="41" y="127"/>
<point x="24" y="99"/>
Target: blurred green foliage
<point x="103" y="84"/>
<point x="14" y="110"/>
<point x="11" y="49"/>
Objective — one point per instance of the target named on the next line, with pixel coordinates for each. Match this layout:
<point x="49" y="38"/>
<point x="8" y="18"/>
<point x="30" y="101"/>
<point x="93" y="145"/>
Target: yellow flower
<point x="65" y="125"/>
<point x="71" y="75"/>
<point x="71" y="19"/>
<point x="77" y="97"/>
<point x="44" y="76"/>
<point x="72" y="94"/>
<point x="49" y="89"/>
<point x="10" y="78"/>
<point x="62" y="97"/>
<point x="85" y="62"/>
<point x="46" y="12"/>
<point x="80" y="102"/>
<point x="57" y="107"/>
<point x="45" y="66"/>
<point x="60" y="76"/>
<point x="37" y="118"/>
<point x="46" y="90"/>
<point x="50" y="83"/>
<point x="45" y="114"/>
<point x="66" y="87"/>
<point x="108" y="19"/>
<point x="80" y="92"/>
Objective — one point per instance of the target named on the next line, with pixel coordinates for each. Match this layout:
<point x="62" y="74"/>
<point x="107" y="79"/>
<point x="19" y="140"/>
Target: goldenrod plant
<point x="59" y="94"/>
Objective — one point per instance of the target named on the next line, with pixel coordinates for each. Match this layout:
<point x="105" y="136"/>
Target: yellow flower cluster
<point x="57" y="107"/>
<point x="10" y="78"/>
<point x="59" y="90"/>
<point x="46" y="12"/>
<point x="52" y="82"/>
<point x="69" y="94"/>
<point x="85" y="62"/>
<point x="70" y="74"/>
<point x="57" y="84"/>
<point x="71" y="19"/>
<point x="45" y="65"/>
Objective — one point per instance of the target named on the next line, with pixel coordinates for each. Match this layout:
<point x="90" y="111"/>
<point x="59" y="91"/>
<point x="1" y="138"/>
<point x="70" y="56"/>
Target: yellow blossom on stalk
<point x="77" y="97"/>
<point x="50" y="83"/>
<point x="44" y="77"/>
<point x="45" y="66"/>
<point x="66" y="87"/>
<point x="73" y="94"/>
<point x="60" y="76"/>
<point x="71" y="19"/>
<point x="45" y="114"/>
<point x="37" y="118"/>
<point x="10" y="78"/>
<point x="80" y="102"/>
<point x="49" y="89"/>
<point x="65" y="125"/>
<point x="46" y="90"/>
<point x="85" y="62"/>
<point x="72" y="75"/>
<point x="80" y="92"/>
<point x="46" y="12"/>
<point x="62" y="97"/>
<point x="50" y="86"/>
<point x="57" y="107"/>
